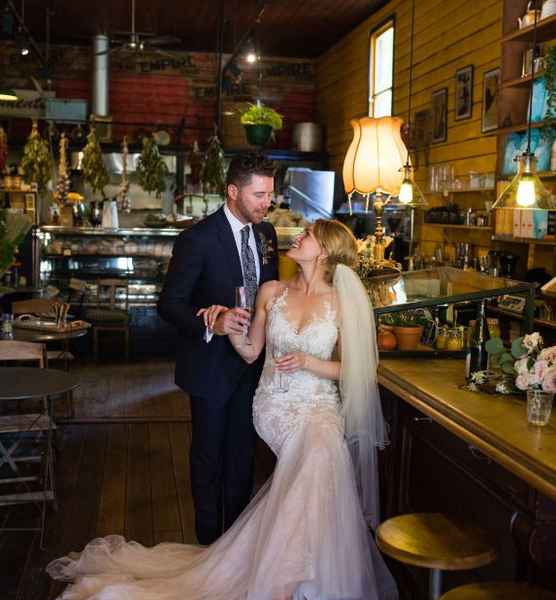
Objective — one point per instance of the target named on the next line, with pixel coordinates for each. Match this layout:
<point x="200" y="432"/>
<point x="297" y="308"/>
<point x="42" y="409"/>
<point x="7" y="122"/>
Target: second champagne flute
<point x="242" y="301"/>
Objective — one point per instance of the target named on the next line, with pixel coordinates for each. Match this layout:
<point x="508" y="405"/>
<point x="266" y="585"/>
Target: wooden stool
<point x="498" y="591"/>
<point x="434" y="541"/>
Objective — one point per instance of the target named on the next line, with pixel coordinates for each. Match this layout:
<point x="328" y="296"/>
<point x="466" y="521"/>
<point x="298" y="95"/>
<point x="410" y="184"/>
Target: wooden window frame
<point x="373" y="34"/>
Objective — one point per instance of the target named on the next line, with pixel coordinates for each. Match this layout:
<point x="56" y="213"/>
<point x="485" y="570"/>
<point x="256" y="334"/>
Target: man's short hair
<point x="244" y="166"/>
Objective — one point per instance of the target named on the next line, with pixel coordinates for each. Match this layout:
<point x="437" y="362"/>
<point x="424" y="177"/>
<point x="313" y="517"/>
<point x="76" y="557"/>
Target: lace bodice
<point x="276" y="413"/>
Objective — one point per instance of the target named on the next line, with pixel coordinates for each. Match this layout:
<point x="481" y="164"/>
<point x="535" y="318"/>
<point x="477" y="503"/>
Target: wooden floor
<point x="122" y="468"/>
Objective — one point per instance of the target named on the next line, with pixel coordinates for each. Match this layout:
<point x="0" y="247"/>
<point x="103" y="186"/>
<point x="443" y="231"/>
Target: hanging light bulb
<point x="410" y="193"/>
<point x="251" y="58"/>
<point x="526" y="189"/>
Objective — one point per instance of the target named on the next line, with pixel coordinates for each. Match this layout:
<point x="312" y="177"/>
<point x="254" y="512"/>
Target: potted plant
<point x="260" y="122"/>
<point x="407" y="326"/>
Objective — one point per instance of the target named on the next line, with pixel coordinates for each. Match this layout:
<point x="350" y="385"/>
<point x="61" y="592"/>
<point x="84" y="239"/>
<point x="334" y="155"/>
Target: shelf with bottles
<point x="444" y="181"/>
<point x="546" y="30"/>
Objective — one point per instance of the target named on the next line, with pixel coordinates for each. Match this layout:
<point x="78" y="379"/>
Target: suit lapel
<point x="228" y="242"/>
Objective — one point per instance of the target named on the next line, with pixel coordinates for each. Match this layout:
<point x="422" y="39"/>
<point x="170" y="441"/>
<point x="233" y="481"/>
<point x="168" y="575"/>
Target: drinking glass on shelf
<point x="280" y="379"/>
<point x="243" y="301"/>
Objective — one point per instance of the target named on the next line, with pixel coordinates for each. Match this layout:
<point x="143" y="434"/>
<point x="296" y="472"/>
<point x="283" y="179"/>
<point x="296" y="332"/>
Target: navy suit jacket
<point x="205" y="269"/>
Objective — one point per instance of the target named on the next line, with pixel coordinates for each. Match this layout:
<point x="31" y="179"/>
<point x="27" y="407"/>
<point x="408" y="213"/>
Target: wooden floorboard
<point x="112" y="509"/>
<point x="139" y="512"/>
<point x="122" y="468"/>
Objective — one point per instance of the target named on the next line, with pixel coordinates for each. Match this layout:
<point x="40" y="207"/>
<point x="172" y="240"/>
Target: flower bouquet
<point x="529" y="367"/>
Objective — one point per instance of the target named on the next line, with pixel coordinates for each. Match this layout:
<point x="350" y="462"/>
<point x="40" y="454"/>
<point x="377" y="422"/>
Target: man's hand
<point x="225" y="321"/>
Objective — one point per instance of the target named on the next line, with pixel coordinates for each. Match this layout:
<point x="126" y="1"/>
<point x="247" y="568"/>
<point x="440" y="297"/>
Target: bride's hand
<point x="290" y="363"/>
<point x="210" y="314"/>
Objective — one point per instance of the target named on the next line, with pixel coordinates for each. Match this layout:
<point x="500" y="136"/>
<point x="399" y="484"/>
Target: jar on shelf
<point x="441" y="337"/>
<point x="453" y="340"/>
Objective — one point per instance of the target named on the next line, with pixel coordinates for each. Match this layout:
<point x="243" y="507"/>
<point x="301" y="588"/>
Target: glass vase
<point x="539" y="406"/>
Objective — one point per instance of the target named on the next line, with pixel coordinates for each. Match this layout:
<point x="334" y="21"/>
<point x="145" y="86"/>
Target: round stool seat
<point x="498" y="591"/>
<point x="434" y="541"/>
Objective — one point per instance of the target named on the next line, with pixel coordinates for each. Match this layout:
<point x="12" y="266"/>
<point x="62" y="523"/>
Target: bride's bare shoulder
<point x="269" y="291"/>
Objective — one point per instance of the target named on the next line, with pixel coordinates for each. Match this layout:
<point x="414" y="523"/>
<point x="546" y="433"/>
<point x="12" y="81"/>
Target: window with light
<point x="381" y="70"/>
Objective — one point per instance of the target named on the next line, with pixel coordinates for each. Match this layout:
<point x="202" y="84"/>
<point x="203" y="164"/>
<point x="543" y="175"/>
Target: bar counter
<point x="495" y="424"/>
<point x="472" y="455"/>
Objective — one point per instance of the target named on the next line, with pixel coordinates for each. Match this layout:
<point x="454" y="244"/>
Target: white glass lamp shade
<point x="375" y="158"/>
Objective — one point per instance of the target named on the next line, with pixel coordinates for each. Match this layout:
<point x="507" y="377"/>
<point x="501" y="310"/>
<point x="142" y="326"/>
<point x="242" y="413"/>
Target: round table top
<point x="35" y="335"/>
<point x="19" y="383"/>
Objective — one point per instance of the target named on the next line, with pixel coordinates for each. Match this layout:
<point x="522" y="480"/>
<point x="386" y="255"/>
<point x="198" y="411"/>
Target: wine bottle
<point x="477" y="356"/>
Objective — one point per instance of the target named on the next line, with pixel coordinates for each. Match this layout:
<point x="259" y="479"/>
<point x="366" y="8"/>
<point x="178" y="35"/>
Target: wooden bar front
<point x="473" y="455"/>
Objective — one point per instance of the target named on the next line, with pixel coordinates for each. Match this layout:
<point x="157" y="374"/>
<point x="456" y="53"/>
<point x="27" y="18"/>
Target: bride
<point x="305" y="534"/>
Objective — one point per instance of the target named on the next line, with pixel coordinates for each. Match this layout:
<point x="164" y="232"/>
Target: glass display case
<point x="443" y="293"/>
<point x="139" y="255"/>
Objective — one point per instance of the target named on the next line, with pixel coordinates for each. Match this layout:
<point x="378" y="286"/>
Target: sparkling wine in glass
<point x="280" y="379"/>
<point x="243" y="301"/>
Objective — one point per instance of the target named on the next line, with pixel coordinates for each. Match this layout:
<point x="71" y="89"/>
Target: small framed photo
<point x="422" y="128"/>
<point x="440" y="115"/>
<point x="491" y="86"/>
<point x="464" y="93"/>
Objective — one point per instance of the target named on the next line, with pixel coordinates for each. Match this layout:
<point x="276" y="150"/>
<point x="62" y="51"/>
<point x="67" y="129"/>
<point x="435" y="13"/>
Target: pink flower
<point x="539" y="370"/>
<point x="532" y="341"/>
<point x="548" y="354"/>
<point x="549" y="381"/>
<point x="522" y="382"/>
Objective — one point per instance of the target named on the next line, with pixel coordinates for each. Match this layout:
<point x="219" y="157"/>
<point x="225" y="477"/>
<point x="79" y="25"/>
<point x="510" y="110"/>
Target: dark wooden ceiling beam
<point x="289" y="28"/>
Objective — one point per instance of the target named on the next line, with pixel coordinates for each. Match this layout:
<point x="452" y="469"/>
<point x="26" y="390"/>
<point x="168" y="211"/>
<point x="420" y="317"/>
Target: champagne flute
<point x="282" y="377"/>
<point x="243" y="302"/>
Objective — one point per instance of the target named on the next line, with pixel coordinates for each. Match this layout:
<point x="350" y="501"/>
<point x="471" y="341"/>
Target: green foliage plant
<point x="258" y="114"/>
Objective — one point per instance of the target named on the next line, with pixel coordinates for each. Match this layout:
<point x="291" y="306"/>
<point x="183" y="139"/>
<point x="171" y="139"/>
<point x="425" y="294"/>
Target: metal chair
<point x="107" y="315"/>
<point x="26" y="440"/>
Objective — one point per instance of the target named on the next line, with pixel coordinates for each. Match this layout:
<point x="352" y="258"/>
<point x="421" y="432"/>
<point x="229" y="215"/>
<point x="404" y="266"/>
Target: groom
<point x="230" y="248"/>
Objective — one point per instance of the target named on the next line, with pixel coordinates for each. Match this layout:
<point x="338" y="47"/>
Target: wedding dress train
<point x="303" y="536"/>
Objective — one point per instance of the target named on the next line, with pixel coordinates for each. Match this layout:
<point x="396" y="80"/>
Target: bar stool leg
<point x="435" y="584"/>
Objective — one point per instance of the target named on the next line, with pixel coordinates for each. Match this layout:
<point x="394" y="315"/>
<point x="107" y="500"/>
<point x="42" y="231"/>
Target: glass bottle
<point x="477" y="356"/>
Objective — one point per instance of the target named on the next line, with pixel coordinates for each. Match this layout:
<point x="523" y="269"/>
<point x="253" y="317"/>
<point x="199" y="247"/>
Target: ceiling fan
<point x="136" y="41"/>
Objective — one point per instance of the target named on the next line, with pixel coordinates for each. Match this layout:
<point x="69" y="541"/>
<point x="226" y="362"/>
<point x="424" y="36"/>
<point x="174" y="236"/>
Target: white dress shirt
<point x="237" y="226"/>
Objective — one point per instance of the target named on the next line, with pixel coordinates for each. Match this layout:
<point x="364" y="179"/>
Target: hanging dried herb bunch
<point x="151" y="169"/>
<point x="94" y="170"/>
<point x="213" y="175"/>
<point x="63" y="183"/>
<point x="123" y="194"/>
<point x="36" y="163"/>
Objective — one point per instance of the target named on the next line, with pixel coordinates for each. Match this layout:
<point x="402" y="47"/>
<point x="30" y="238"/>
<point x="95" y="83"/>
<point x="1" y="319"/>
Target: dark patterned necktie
<point x="249" y="268"/>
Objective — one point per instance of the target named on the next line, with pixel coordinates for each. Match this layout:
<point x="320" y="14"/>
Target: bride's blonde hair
<point x="338" y="242"/>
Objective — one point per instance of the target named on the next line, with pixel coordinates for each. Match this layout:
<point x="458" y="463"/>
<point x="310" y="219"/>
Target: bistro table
<point x="21" y="383"/>
<point x="25" y="383"/>
<point x="21" y="334"/>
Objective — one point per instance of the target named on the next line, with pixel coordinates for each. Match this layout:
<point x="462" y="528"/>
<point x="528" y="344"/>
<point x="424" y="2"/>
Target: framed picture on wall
<point x="464" y="93"/>
<point x="489" y="115"/>
<point x="440" y="115"/>
<point x="422" y="128"/>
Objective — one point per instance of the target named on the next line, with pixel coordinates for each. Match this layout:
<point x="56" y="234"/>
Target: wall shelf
<point x="546" y="30"/>
<point x="521" y="127"/>
<point x="521" y="81"/>
<point x="516" y="240"/>
<point x="453" y="226"/>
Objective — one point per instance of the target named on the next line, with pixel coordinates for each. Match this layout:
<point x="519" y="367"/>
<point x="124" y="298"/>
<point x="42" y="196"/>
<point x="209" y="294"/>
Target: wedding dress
<point x="303" y="536"/>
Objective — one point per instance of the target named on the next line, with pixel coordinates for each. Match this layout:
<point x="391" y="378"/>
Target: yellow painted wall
<point x="449" y="35"/>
